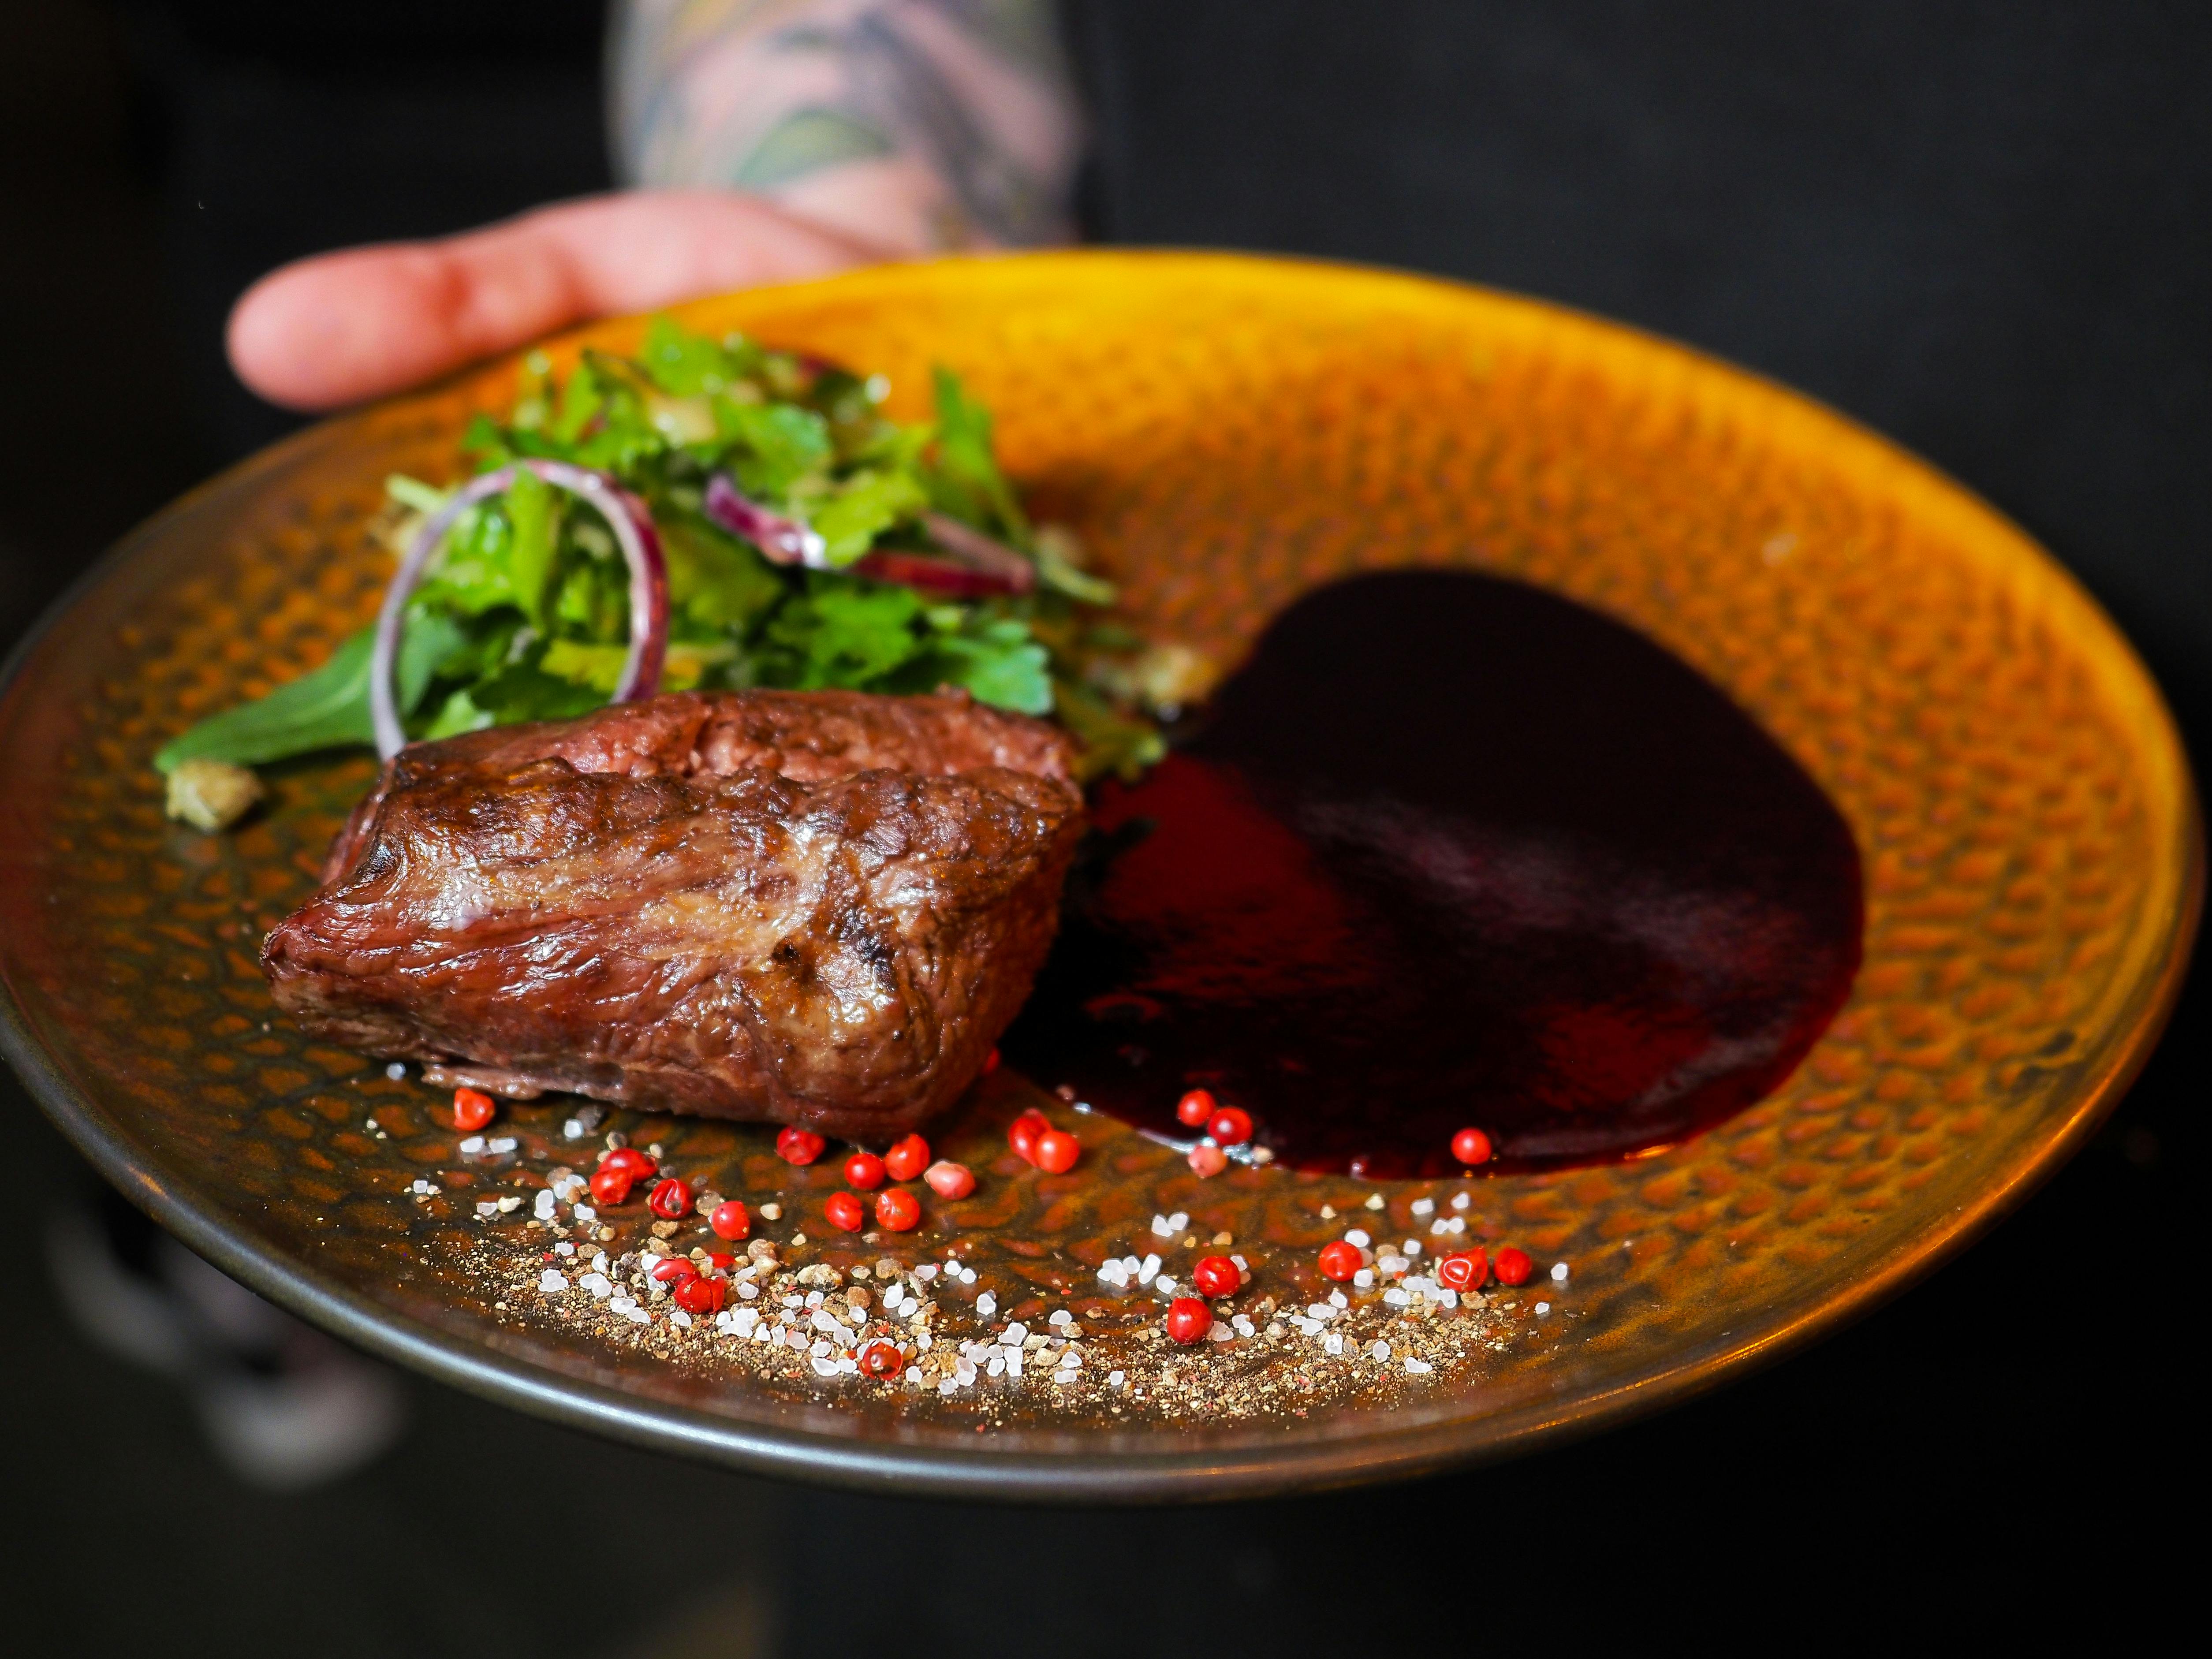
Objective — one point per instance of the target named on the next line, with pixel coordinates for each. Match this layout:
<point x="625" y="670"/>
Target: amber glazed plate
<point x="1226" y="433"/>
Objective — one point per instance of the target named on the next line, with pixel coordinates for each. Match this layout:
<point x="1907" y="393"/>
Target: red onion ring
<point x="920" y="570"/>
<point x="626" y="516"/>
<point x="782" y="540"/>
<point x="1015" y="574"/>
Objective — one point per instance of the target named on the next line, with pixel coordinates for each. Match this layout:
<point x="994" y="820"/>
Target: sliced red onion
<point x="980" y="552"/>
<point x="931" y="574"/>
<point x="626" y="516"/>
<point x="782" y="540"/>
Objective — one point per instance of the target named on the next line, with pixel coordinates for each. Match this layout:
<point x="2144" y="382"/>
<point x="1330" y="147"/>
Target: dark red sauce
<point x="1449" y="851"/>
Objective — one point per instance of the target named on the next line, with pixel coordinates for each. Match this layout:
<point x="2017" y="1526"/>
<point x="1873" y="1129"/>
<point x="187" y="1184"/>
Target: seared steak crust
<point x="818" y="909"/>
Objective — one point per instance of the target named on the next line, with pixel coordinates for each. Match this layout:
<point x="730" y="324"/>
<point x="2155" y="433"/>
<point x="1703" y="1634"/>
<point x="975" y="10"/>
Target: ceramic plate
<point x="1226" y="433"/>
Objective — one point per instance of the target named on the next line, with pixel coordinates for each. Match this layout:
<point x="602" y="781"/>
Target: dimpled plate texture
<point x="1225" y="433"/>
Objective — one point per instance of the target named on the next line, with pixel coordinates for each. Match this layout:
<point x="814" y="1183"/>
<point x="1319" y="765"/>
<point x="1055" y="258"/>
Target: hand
<point x="341" y="327"/>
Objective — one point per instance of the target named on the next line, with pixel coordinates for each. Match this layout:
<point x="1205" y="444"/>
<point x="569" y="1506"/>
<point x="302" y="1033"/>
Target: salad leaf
<point x="326" y="707"/>
<point x="968" y="463"/>
<point x="525" y="615"/>
<point x="865" y="507"/>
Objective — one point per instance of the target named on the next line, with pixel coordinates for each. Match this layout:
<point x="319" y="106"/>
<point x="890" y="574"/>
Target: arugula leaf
<point x="784" y="443"/>
<point x="682" y="363"/>
<point x="326" y="707"/>
<point x="997" y="663"/>
<point x="716" y="582"/>
<point x="535" y="516"/>
<point x="965" y="457"/>
<point x="864" y="506"/>
<point x="846" y="635"/>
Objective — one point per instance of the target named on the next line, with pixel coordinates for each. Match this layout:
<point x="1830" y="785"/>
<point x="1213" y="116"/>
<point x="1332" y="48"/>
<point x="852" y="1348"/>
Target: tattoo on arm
<point x="915" y="123"/>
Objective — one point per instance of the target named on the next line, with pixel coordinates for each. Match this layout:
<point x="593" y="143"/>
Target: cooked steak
<point x="811" y="907"/>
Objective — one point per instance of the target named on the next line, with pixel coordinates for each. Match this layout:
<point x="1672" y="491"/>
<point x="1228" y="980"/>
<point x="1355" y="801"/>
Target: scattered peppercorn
<point x="1231" y="1127"/>
<point x="880" y="1359"/>
<point x="631" y="1162"/>
<point x="673" y="1266"/>
<point x="864" y="1171"/>
<point x="845" y="1212"/>
<point x="1022" y="1133"/>
<point x="1463" y="1271"/>
<point x="897" y="1210"/>
<point x="1513" y="1266"/>
<point x="1471" y="1147"/>
<point x="730" y="1220"/>
<point x="670" y="1200"/>
<point x="472" y="1109"/>
<point x="800" y="1147"/>
<point x="1216" y="1275"/>
<point x="1196" y="1108"/>
<point x="949" y="1180"/>
<point x="1056" y="1152"/>
<point x="610" y="1186"/>
<point x="906" y="1158"/>
<point x="1341" y="1259"/>
<point x="1207" y="1160"/>
<point x="701" y="1295"/>
<point x="1188" y="1319"/>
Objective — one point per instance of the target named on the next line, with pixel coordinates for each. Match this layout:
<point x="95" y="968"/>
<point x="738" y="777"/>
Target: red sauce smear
<point x="1451" y="850"/>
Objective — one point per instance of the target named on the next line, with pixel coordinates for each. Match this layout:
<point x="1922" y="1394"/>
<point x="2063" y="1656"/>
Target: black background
<point x="1984" y="229"/>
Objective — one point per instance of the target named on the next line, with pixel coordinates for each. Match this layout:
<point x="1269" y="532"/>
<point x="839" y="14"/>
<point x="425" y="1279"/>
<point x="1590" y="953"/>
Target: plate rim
<point x="1265" y="1467"/>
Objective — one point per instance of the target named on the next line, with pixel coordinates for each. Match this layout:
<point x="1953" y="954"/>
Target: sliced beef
<point x="811" y="907"/>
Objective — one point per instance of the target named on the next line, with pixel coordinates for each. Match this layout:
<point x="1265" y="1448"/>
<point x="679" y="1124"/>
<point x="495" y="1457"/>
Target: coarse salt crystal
<point x="987" y="1304"/>
<point x="1243" y="1325"/>
<point x="1419" y="1367"/>
<point x="1440" y="1226"/>
<point x="1217" y="1332"/>
<point x="586" y="1212"/>
<point x="637" y="1315"/>
<point x="1164" y="1285"/>
<point x="1559" y="1273"/>
<point x="1148" y="1270"/>
<point x="1013" y="1361"/>
<point x="1424" y="1206"/>
<point x="1178" y="1221"/>
<point x="1014" y="1335"/>
<point x="1397" y="1298"/>
<point x="1060" y="1317"/>
<point x="1115" y="1379"/>
<point x="543" y="1209"/>
<point x="485" y="1207"/>
<point x="1320" y="1310"/>
<point x="967" y="1275"/>
<point x="564" y="1248"/>
<point x="1339" y="1299"/>
<point x="1543" y="1307"/>
<point x="1374" y="1202"/>
<point x="597" y="1284"/>
<point x="550" y="1280"/>
<point x="823" y="1367"/>
<point x="997" y="1365"/>
<point x="503" y="1144"/>
<point x="1364" y="1279"/>
<point x="1449" y="1298"/>
<point x="771" y="1212"/>
<point x="1381" y="1351"/>
<point x="1242" y="1266"/>
<point x="680" y="1319"/>
<point x="473" y="1144"/>
<point x="395" y="1071"/>
<point x="1162" y="1227"/>
<point x="1359" y="1236"/>
<point x="1412" y="1247"/>
<point x="927" y="1272"/>
<point x="747" y="1290"/>
<point x="1460" y="1201"/>
<point x="574" y="1129"/>
<point x="1332" y="1343"/>
<point x="1307" y="1327"/>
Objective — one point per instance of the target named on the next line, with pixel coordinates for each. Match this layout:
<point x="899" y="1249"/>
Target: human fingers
<point x="340" y="327"/>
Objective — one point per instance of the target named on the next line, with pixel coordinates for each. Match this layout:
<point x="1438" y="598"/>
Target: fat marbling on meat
<point x="811" y="907"/>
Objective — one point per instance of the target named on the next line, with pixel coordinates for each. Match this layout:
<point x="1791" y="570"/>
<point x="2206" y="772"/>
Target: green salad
<point x="920" y="570"/>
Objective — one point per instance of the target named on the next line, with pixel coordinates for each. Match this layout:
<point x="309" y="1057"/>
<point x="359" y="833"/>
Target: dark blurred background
<point x="1985" y="229"/>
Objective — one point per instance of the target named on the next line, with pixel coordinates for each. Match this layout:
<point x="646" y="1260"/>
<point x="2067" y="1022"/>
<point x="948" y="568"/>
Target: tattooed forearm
<point x="913" y="124"/>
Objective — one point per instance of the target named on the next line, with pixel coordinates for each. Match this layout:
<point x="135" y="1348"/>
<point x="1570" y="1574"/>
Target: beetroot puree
<point x="1448" y="851"/>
